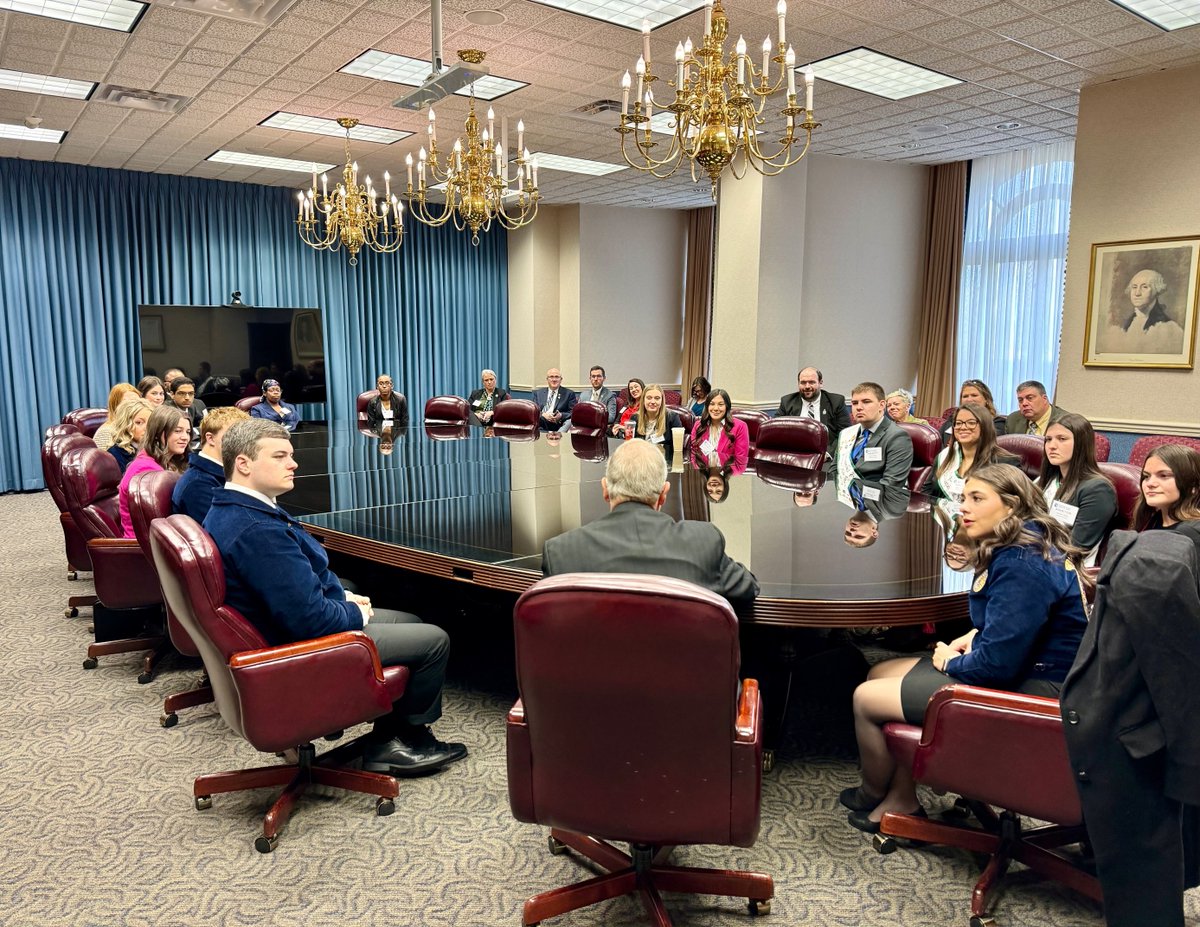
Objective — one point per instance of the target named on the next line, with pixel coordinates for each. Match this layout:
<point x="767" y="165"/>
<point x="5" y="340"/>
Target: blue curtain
<point x="81" y="248"/>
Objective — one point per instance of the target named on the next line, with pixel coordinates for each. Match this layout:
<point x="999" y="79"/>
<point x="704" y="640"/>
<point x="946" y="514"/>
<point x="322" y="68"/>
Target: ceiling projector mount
<point x="442" y="81"/>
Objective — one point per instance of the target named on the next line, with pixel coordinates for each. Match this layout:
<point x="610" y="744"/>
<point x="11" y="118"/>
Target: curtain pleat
<point x="697" y="294"/>
<point x="81" y="248"/>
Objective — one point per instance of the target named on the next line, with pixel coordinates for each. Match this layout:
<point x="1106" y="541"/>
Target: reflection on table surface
<point x="491" y="501"/>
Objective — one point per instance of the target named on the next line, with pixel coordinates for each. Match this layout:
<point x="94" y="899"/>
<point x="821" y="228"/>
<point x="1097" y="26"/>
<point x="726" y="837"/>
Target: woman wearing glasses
<point x="976" y="393"/>
<point x="972" y="445"/>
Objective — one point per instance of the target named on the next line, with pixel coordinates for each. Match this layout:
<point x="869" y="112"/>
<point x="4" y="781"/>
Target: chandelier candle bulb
<point x="781" y="12"/>
<point x="300" y="207"/>
<point x="649" y="111"/>
<point x="741" y="58"/>
<point x="679" y="67"/>
<point x="535" y="172"/>
<point x="708" y="13"/>
<point x="766" y="59"/>
<point x="646" y="41"/>
<point x="789" y="63"/>
<point x="625" y="83"/>
<point x="640" y="67"/>
<point x="408" y="164"/>
<point x="520" y="135"/>
<point x="491" y="122"/>
<point x="325" y="185"/>
<point x="387" y="185"/>
<point x="809" y="77"/>
<point x="687" y="59"/>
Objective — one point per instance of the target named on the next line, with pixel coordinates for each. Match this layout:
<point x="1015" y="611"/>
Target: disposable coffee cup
<point x="677" y="440"/>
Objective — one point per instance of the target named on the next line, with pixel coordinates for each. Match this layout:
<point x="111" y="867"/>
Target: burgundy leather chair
<point x="515" y="415"/>
<point x="58" y="431"/>
<point x="1143" y="447"/>
<point x="790" y="477"/>
<point x="588" y="418"/>
<point x="1128" y="482"/>
<point x="686" y="419"/>
<point x="628" y="729"/>
<point x="78" y="558"/>
<point x="361" y="411"/>
<point x="248" y="403"/>
<point x="754" y="421"/>
<point x="88" y="421"/>
<point x="448" y="432"/>
<point x="926" y="445"/>
<point x="124" y="579"/>
<point x="1103" y="448"/>
<point x="1031" y="449"/>
<point x="589" y="447"/>
<point x="791" y="440"/>
<point x="277" y="698"/>
<point x="150" y="498"/>
<point x="996" y="749"/>
<point x="446" y="410"/>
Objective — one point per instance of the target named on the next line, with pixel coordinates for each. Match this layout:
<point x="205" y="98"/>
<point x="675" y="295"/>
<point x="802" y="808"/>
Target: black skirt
<point x="920" y="682"/>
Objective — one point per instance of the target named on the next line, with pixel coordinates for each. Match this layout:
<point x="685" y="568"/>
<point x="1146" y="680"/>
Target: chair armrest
<point x="749" y="712"/>
<point x="268" y="655"/>
<point x="746" y="768"/>
<point x="520" y="766"/>
<point x="516" y="714"/>
<point x="124" y="578"/>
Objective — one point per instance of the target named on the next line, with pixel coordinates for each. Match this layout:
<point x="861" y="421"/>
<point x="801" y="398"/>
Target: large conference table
<point x="478" y="509"/>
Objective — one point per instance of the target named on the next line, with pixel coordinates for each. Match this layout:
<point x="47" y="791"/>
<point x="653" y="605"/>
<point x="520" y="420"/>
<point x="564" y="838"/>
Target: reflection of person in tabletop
<point x="802" y="499"/>
<point x="861" y="530"/>
<point x="716" y="484"/>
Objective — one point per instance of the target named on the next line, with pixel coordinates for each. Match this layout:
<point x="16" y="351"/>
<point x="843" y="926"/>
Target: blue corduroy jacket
<point x="193" y="493"/>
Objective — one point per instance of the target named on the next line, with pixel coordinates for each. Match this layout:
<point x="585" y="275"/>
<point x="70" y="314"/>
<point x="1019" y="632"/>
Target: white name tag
<point x="655" y="439"/>
<point x="871" y="494"/>
<point x="873" y="454"/>
<point x="478" y="402"/>
<point x="387" y="413"/>
<point x="1063" y="512"/>
<point x="706" y="447"/>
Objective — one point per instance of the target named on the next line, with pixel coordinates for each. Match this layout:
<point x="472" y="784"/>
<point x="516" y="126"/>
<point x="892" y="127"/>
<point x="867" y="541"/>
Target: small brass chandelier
<point x="475" y="179"/>
<point x="718" y="106"/>
<point x="354" y="216"/>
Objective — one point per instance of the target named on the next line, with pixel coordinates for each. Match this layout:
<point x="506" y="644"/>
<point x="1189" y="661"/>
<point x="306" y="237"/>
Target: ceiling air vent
<point x="604" y="112"/>
<point x="259" y="12"/>
<point x="133" y="98"/>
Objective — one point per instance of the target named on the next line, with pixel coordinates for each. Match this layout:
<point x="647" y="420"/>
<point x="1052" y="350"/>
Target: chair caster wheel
<point x="759" y="908"/>
<point x="72" y="575"/>
<point x="91" y="663"/>
<point x="336" y="735"/>
<point x="983" y="921"/>
<point x="265" y="844"/>
<point x="958" y="811"/>
<point x="557" y="847"/>
<point x="144" y="678"/>
<point x="384" y="807"/>
<point x="885" y="844"/>
<point x="768" y="760"/>
<point x="203" y="802"/>
<point x="71" y="612"/>
<point x="169" y="720"/>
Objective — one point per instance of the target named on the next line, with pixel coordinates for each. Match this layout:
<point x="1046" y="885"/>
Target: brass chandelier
<point x="717" y="112"/>
<point x="475" y="179"/>
<point x="352" y="215"/>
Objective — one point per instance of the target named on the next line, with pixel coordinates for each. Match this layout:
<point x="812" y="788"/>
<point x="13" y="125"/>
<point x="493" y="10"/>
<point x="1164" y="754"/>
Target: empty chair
<point x="88" y="421"/>
<point x="791" y="440"/>
<point x="447" y="432"/>
<point x="631" y="728"/>
<point x="686" y="418"/>
<point x="277" y="698"/>
<point x="150" y="498"/>
<point x="1128" y="482"/>
<point x="515" y="413"/>
<point x="1103" y="448"/>
<point x="78" y="558"/>
<point x="1143" y="447"/>
<point x="1001" y="749"/>
<point x="754" y="420"/>
<point x="446" y="410"/>
<point x="589" y="418"/>
<point x="589" y="447"/>
<point x="1031" y="449"/>
<point x="926" y="445"/>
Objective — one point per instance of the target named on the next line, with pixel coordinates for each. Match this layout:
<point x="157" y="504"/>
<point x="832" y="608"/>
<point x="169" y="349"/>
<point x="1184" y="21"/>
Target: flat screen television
<point x="242" y="346"/>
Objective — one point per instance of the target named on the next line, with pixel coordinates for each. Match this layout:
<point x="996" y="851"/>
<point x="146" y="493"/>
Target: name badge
<point x="387" y="413"/>
<point x="874" y="454"/>
<point x="871" y="494"/>
<point x="478" y="403"/>
<point x="1064" y="513"/>
<point x="655" y="439"/>
<point x="706" y="447"/>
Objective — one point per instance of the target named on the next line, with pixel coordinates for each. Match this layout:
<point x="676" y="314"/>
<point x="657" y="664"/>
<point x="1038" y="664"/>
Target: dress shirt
<point x="1039" y="427"/>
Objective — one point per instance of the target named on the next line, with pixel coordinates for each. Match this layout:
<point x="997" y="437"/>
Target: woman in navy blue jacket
<point x="1028" y="612"/>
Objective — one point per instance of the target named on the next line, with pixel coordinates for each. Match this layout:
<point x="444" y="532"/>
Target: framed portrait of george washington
<point x="1142" y="298"/>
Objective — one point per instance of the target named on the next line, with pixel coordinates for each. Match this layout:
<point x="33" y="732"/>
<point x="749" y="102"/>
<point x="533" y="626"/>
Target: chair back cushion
<point x="798" y="442"/>
<point x="1128" y="482"/>
<point x="629" y="687"/>
<point x="686" y="418"/>
<point x="91" y="478"/>
<point x="1103" y="448"/>
<point x="361" y="404"/>
<point x="754" y="420"/>
<point x="446" y="410"/>
<point x="926" y="445"/>
<point x="1031" y="449"/>
<point x="1143" y="447"/>
<point x="515" y="413"/>
<point x="589" y="417"/>
<point x="88" y="421"/>
<point x="672" y="397"/>
<point x="53" y="451"/>
<point x="56" y="431"/>
<point x="248" y="403"/>
<point x="149" y="499"/>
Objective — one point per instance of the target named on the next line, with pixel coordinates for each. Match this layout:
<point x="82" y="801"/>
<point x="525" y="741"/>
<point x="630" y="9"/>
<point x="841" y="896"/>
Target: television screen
<point x="230" y="350"/>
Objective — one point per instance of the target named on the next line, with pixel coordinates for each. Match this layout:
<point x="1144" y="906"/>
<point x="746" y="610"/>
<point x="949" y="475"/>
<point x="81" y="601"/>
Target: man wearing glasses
<point x="555" y="403"/>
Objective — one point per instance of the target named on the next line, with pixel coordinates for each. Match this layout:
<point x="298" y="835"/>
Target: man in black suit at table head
<point x="636" y="537"/>
<point x="811" y="401"/>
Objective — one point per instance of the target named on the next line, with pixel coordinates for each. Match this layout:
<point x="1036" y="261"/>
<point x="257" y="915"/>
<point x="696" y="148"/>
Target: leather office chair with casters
<point x="630" y="728"/>
<point x="754" y="420"/>
<point x="926" y="445"/>
<point x="78" y="558"/>
<point x="1000" y="750"/>
<point x="1127" y="480"/>
<point x="519" y="415"/>
<point x="88" y="421"/>
<point x="276" y="698"/>
<point x="792" y="440"/>
<point x="126" y="586"/>
<point x="1031" y="449"/>
<point x="248" y="403"/>
<point x="447" y="410"/>
<point x="58" y="431"/>
<point x="150" y="498"/>
<point x="360" y="405"/>
<point x="589" y="418"/>
<point x="686" y="419"/>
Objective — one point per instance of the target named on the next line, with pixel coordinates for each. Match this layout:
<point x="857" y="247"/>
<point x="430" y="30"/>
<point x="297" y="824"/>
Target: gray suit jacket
<point x="1017" y="424"/>
<point x="633" y="538"/>
<point x="891" y="473"/>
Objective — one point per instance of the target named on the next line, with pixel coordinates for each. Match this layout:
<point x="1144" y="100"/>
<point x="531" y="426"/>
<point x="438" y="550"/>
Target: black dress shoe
<point x="862" y="820"/>
<point x="412" y="754"/>
<point x="858" y="800"/>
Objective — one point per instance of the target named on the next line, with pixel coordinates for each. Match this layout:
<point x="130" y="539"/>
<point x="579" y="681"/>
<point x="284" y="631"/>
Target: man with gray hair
<point x="637" y="537"/>
<point x="278" y="577"/>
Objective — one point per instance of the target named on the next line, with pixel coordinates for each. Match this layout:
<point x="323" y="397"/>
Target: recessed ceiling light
<point x="485" y="17"/>
<point x="42" y="83"/>
<point x="400" y="69"/>
<point x="1005" y="126"/>
<point x="553" y="162"/>
<point x="298" y="123"/>
<point x="929" y="129"/>
<point x="881" y="75"/>
<point x="1166" y="14"/>
<point x="24" y="134"/>
<point x="628" y="13"/>
<point x="908" y="145"/>
<point x="121" y="15"/>
<point x="275" y="164"/>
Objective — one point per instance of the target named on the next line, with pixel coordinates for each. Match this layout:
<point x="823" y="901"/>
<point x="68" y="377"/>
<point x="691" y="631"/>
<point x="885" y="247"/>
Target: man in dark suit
<point x="811" y="401"/>
<point x="1034" y="412"/>
<point x="874" y="455"/>
<point x="601" y="393"/>
<point x="636" y="537"/>
<point x="555" y="403"/>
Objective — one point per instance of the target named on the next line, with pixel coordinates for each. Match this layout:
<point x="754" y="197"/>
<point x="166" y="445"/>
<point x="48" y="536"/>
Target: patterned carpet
<point x="98" y="828"/>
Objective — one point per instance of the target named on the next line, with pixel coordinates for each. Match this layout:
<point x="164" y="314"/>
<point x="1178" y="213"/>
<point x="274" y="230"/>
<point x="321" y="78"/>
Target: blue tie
<point x="857" y="496"/>
<point x="860" y="445"/>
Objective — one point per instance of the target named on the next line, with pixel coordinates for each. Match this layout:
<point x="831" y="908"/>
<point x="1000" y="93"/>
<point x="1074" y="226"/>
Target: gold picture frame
<point x="1142" y="302"/>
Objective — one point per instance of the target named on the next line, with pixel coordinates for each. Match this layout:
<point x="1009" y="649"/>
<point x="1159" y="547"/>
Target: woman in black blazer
<point x="386" y="402"/>
<point x="1076" y="490"/>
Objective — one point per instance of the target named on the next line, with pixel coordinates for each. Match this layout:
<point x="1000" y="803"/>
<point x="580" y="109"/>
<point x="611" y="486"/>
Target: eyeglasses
<point x="967" y="426"/>
<point x="553" y="378"/>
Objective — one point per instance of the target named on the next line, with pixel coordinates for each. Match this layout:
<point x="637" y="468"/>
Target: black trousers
<point x="404" y="640"/>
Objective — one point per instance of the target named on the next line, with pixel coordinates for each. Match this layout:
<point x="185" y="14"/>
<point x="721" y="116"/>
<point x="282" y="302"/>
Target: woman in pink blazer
<point x="165" y="447"/>
<point x="718" y="438"/>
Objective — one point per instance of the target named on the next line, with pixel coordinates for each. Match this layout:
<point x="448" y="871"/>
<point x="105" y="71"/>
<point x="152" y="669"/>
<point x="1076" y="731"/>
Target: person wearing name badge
<point x="555" y="402"/>
<point x="273" y="408"/>
<point x="874" y="454"/>
<point x="483" y="401"/>
<point x="972" y="445"/>
<point x="655" y="421"/>
<point x="1028" y="611"/>
<point x="601" y="393"/>
<point x="205" y="474"/>
<point x="634" y="387"/>
<point x="387" y="411"/>
<point x="1170" y="497"/>
<point x="1078" y="493"/>
<point x="718" y="438"/>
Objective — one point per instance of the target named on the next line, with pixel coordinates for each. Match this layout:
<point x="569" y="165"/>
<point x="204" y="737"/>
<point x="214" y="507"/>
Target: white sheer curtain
<point x="1014" y="259"/>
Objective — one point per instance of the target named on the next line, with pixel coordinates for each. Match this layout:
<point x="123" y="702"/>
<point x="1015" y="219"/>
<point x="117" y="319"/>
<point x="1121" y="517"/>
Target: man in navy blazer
<point x="554" y="403"/>
<point x="205" y="474"/>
